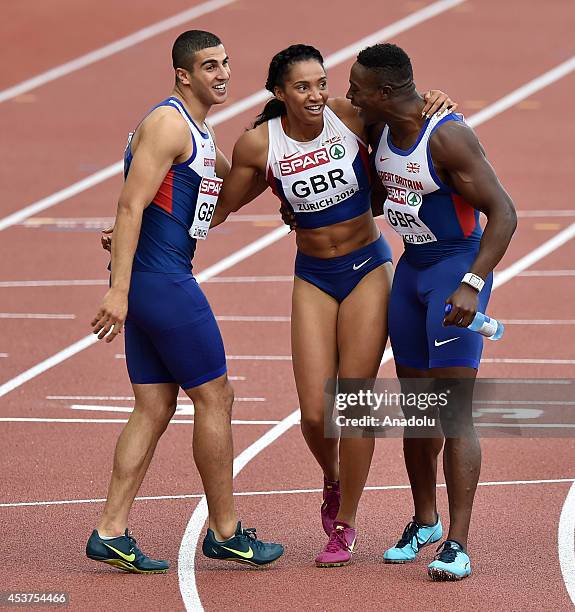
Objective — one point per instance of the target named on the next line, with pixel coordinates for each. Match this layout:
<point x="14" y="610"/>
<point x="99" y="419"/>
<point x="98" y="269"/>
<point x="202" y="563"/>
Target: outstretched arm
<point x="246" y="179"/>
<point x="459" y="156"/>
<point x="161" y="140"/>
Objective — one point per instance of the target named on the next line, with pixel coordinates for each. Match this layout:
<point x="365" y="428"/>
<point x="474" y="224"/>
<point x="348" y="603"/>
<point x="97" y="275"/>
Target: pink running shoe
<point x="339" y="548"/>
<point x="330" y="505"/>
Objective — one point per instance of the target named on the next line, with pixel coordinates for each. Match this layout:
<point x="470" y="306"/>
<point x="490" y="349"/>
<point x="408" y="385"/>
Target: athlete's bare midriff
<point x="338" y="239"/>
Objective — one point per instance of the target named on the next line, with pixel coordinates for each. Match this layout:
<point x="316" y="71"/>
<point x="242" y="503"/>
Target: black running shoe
<point x="122" y="552"/>
<point x="242" y="547"/>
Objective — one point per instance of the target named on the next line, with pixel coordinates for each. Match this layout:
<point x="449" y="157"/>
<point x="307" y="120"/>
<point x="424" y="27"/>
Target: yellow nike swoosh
<point x="246" y="555"/>
<point x="128" y="558"/>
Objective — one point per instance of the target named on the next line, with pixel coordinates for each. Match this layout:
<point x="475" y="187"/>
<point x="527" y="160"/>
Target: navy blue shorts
<point x="338" y="276"/>
<point x="416" y="311"/>
<point x="171" y="332"/>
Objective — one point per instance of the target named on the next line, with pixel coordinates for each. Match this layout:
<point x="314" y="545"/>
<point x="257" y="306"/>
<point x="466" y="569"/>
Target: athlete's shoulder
<point x="348" y="115"/>
<point x="165" y="122"/>
<point x="252" y="146"/>
<point x="453" y="137"/>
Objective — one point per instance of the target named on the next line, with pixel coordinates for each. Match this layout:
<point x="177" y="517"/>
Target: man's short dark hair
<point x="190" y="42"/>
<point x="390" y="62"/>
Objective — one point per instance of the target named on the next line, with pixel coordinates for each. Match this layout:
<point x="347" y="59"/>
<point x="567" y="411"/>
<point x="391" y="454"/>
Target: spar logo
<point x="305" y="162"/>
<point x="397" y="194"/>
<point x="337" y="151"/>
<point x="414" y="199"/>
<point x="211" y="186"/>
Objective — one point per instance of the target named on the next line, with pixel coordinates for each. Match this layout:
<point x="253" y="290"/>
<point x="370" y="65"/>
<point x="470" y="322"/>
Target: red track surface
<point x="64" y="131"/>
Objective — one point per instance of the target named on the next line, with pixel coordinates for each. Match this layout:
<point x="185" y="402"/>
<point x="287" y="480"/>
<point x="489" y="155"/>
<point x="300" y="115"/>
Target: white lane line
<point x="111" y="421"/>
<point x="252" y="279"/>
<point x="45" y="365"/>
<point x="87" y="341"/>
<point x="233" y="110"/>
<point x="53" y="283"/>
<point x="3" y="354"/>
<point x="510" y="100"/>
<point x="111" y="49"/>
<point x="187" y="553"/>
<point x="534" y="256"/>
<point x="101" y="500"/>
<point x="550" y="273"/>
<point x="254" y="318"/>
<point x="566" y="542"/>
<point x="546" y="213"/>
<point x="537" y="321"/>
<point x="34" y="315"/>
<point x="529" y="360"/>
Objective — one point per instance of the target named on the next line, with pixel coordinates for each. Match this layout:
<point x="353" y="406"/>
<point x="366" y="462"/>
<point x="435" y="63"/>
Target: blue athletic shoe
<point x="413" y="539"/>
<point x="451" y="563"/>
<point x="122" y="553"/>
<point x="242" y="547"/>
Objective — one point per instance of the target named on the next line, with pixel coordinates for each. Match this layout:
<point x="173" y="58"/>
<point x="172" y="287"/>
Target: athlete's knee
<point x="312" y="421"/>
<point x="158" y="413"/>
<point x="216" y="394"/>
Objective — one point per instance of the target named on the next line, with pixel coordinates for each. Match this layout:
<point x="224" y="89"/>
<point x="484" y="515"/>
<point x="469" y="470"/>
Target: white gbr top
<point x="325" y="180"/>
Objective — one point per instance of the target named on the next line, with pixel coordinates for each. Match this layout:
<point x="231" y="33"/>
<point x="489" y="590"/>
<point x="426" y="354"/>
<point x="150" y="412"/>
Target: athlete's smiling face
<point x="210" y="74"/>
<point x="365" y="93"/>
<point x="305" y="91"/>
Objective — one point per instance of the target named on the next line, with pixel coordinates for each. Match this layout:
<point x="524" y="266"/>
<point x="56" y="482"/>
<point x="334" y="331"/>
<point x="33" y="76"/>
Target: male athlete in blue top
<point x="437" y="180"/>
<point x="173" y="173"/>
<point x="312" y="152"/>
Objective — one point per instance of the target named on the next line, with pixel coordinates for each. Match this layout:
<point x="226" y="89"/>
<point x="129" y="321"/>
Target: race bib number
<point x="402" y="213"/>
<point x="205" y="206"/>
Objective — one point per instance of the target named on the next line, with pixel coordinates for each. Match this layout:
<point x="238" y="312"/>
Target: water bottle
<point x="484" y="325"/>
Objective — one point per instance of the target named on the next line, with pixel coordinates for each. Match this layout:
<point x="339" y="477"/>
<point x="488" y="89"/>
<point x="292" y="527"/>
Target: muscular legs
<point x="154" y="407"/>
<point x="349" y="337"/>
<point x="212" y="444"/>
<point x="214" y="452"/>
<point x="315" y="357"/>
<point x="461" y="458"/>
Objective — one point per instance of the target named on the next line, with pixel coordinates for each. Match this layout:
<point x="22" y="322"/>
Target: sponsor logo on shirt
<point x="210" y="187"/>
<point x="304" y="162"/>
<point x="208" y="161"/>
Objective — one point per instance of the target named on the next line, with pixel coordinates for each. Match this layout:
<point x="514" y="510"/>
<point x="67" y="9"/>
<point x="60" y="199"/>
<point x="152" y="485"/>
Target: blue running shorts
<point x="171" y="332"/>
<point x="338" y="276"/>
<point x="416" y="311"/>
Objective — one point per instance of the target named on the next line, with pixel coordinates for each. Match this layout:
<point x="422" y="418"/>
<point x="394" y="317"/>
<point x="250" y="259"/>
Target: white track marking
<point x="112" y="421"/>
<point x="45" y="365"/>
<point x="101" y="500"/>
<point x="546" y="213"/>
<point x="534" y="256"/>
<point x="53" y="283"/>
<point x="537" y="321"/>
<point x="3" y="354"/>
<point x="34" y="315"/>
<point x="254" y="318"/>
<point x="566" y="542"/>
<point x="251" y="279"/>
<point x="510" y="100"/>
<point x="116" y="47"/>
<point x="529" y="361"/>
<point x="233" y="110"/>
<point x="550" y="273"/>
<point x="187" y="553"/>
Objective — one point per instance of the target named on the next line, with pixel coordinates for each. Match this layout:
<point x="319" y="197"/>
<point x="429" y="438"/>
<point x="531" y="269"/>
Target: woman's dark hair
<point x="279" y="66"/>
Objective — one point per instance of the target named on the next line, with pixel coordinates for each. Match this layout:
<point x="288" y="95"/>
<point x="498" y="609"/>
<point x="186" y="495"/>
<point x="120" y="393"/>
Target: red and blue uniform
<point x="325" y="181"/>
<point x="171" y="332"/>
<point x="441" y="235"/>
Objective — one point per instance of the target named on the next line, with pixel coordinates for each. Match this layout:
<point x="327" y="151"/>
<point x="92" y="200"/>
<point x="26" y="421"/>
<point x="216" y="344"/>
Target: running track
<point x="59" y="427"/>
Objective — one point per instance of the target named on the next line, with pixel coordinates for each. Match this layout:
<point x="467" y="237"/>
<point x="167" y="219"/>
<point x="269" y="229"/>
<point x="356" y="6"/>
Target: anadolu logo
<point x="414" y="199"/>
<point x="336" y="151"/>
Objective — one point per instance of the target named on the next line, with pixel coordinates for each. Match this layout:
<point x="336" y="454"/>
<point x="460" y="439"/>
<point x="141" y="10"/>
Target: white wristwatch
<point x="473" y="281"/>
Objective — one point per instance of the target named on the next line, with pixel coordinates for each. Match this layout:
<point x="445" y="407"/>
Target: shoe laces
<point x="448" y="552"/>
<point x="251" y="535"/>
<point x="336" y="541"/>
<point x="408" y="534"/>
